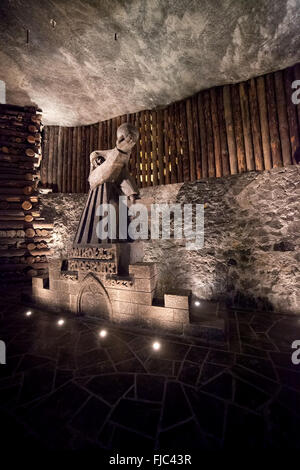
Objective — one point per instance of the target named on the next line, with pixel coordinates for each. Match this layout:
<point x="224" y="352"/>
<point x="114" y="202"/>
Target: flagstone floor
<point x="65" y="387"/>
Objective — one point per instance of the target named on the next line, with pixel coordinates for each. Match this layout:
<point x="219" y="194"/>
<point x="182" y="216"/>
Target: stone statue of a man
<point x="109" y="178"/>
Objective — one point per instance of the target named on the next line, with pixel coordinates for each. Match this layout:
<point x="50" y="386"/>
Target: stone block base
<point x="124" y="300"/>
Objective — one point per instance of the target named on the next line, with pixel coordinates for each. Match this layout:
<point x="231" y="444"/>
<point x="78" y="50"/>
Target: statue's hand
<point x="133" y="198"/>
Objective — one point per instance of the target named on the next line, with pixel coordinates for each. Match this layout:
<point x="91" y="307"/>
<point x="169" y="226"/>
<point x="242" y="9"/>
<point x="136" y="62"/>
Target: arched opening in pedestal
<point x="93" y="300"/>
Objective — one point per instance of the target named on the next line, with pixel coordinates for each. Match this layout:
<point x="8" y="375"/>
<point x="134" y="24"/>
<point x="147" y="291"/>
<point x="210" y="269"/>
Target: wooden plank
<point x="55" y="159"/>
<point x="69" y="159"/>
<point x="171" y="116"/>
<point x="143" y="149"/>
<point x="50" y="156"/>
<point x="138" y="150"/>
<point x="100" y="136"/>
<point x="255" y="126"/>
<point x="216" y="132"/>
<point x="59" y="158"/>
<point x="65" y="160"/>
<point x="87" y="156"/>
<point x="222" y="130"/>
<point x="83" y="157"/>
<point x="178" y="143"/>
<point x="209" y="135"/>
<point x="154" y="148"/>
<point x="110" y="143"/>
<point x="190" y="134"/>
<point x="244" y="102"/>
<point x="197" y="144"/>
<point x="44" y="163"/>
<point x="294" y="128"/>
<point x="160" y="146"/>
<point x="202" y="133"/>
<point x="230" y="130"/>
<point x="78" y="153"/>
<point x="238" y="129"/>
<point x="263" y="115"/>
<point x="114" y="126"/>
<point x="166" y="147"/>
<point x="74" y="159"/>
<point x="273" y="122"/>
<point x="282" y="119"/>
<point x="148" y="147"/>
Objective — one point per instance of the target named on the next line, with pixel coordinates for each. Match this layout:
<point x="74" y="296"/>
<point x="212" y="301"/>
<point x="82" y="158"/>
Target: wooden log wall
<point x="24" y="234"/>
<point x="223" y="131"/>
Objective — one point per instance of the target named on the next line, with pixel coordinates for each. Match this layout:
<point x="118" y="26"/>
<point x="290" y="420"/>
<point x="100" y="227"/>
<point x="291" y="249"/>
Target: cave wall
<point x="252" y="226"/>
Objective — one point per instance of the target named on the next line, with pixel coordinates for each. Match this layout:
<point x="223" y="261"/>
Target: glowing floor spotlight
<point x="197" y="303"/>
<point x="28" y="313"/>
<point x="156" y="346"/>
<point x="102" y="333"/>
<point x="60" y="322"/>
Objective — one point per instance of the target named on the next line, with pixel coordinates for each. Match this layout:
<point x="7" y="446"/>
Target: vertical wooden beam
<point x="238" y="129"/>
<point x="154" y="148"/>
<point x="230" y="130"/>
<point x="282" y="119"/>
<point x="160" y="146"/>
<point x="74" y="159"/>
<point x="209" y="135"/>
<point x="83" y="157"/>
<point x="273" y="122"/>
<point x="70" y="161"/>
<point x="148" y="147"/>
<point x="178" y="141"/>
<point x="55" y="159"/>
<point x="138" y="150"/>
<point x="114" y="129"/>
<point x="87" y="156"/>
<point x="255" y="126"/>
<point x="59" y="159"/>
<point x="110" y="142"/>
<point x="263" y="115"/>
<point x="171" y="115"/>
<point x="216" y="132"/>
<point x="167" y="146"/>
<point x="202" y="129"/>
<point x="65" y="160"/>
<point x="223" y="136"/>
<point x="197" y="145"/>
<point x="190" y="133"/>
<point x="44" y="163"/>
<point x="185" y="147"/>
<point x="100" y="136"/>
<point x="294" y="128"/>
<point x="243" y="88"/>
<point x="143" y="149"/>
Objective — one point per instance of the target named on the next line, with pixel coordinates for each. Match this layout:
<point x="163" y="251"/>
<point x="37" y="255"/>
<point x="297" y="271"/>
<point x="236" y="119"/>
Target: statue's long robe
<point x="108" y="181"/>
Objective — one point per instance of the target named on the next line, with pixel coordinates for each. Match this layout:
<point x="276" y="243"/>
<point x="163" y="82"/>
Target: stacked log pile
<point x="24" y="234"/>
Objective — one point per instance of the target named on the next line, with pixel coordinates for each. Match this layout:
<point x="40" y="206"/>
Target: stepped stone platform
<point x="102" y="283"/>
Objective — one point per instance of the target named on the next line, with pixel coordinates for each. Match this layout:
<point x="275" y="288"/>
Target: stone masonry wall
<point x="252" y="226"/>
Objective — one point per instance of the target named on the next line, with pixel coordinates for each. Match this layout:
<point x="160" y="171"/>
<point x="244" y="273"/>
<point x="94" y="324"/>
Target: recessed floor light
<point x="102" y="333"/>
<point x="28" y="313"/>
<point x="60" y="322"/>
<point x="197" y="303"/>
<point x="156" y="346"/>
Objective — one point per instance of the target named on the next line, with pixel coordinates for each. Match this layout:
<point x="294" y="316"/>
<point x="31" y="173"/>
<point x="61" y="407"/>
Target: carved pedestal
<point x="100" y="282"/>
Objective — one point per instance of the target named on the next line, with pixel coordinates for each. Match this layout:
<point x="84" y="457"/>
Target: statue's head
<point x="127" y="137"/>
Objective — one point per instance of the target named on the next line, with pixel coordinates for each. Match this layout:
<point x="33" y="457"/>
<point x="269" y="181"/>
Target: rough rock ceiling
<point x="100" y="59"/>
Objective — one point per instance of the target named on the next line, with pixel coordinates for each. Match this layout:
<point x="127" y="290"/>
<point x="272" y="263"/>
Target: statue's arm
<point x="128" y="185"/>
<point x="95" y="157"/>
